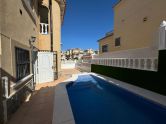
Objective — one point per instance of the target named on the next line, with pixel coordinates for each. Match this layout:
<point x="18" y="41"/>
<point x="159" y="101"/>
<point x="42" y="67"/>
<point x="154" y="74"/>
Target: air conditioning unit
<point x="5" y="87"/>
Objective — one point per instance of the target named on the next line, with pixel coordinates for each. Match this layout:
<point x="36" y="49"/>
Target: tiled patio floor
<point x="39" y="108"/>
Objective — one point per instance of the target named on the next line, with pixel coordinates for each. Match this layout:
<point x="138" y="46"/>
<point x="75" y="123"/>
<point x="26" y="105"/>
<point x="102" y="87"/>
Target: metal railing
<point x="43" y="28"/>
<point x="150" y="64"/>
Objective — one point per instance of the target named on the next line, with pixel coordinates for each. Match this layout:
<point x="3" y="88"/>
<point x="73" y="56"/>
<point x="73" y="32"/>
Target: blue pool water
<point x="95" y="101"/>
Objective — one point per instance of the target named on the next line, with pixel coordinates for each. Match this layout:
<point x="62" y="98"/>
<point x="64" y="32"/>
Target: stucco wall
<point x="16" y="31"/>
<point x="45" y="3"/>
<point x="129" y="24"/>
<point x="17" y="26"/>
<point x="44" y="42"/>
<point x="0" y="14"/>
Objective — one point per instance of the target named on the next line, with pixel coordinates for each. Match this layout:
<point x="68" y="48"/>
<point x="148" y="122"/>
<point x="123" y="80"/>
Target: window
<point x="117" y="42"/>
<point x="44" y="12"/>
<point x="22" y="63"/>
<point x="104" y="48"/>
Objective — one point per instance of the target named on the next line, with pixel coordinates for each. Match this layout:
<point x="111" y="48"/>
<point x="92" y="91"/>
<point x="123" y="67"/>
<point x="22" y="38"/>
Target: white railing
<point x="150" y="64"/>
<point x="43" y="28"/>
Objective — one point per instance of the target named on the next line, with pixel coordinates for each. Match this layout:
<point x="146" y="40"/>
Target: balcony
<point x="44" y="37"/>
<point x="44" y="28"/>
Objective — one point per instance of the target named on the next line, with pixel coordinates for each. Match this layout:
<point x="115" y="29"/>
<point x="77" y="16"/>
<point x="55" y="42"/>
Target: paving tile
<point x="39" y="108"/>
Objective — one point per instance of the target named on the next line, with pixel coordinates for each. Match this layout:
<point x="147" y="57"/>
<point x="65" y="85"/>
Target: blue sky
<point x="85" y="22"/>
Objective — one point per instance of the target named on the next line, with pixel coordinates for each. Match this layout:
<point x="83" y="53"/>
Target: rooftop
<point x="108" y="34"/>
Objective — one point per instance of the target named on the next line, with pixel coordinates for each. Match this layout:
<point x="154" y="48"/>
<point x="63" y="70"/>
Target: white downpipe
<point x="162" y="36"/>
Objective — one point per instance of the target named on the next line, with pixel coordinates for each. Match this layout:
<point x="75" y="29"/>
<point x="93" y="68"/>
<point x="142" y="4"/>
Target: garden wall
<point x="151" y="80"/>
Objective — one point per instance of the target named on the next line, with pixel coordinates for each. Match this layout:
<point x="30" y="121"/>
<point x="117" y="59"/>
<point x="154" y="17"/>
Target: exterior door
<point x="44" y="69"/>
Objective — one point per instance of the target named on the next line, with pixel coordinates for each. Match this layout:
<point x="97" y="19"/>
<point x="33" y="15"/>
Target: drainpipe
<point x="31" y="41"/>
<point x="51" y="25"/>
<point x="51" y="32"/>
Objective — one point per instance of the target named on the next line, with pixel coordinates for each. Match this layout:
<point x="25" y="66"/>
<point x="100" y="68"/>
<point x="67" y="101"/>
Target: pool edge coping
<point x="62" y="111"/>
<point x="147" y="94"/>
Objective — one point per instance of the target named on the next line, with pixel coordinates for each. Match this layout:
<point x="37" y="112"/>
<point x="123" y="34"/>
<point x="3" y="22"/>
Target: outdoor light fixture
<point x="32" y="39"/>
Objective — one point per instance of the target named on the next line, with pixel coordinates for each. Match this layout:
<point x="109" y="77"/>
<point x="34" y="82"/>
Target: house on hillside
<point x="30" y="38"/>
<point x="77" y="53"/>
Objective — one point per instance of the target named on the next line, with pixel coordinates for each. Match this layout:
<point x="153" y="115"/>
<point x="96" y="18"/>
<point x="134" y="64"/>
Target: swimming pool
<point x="95" y="101"/>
